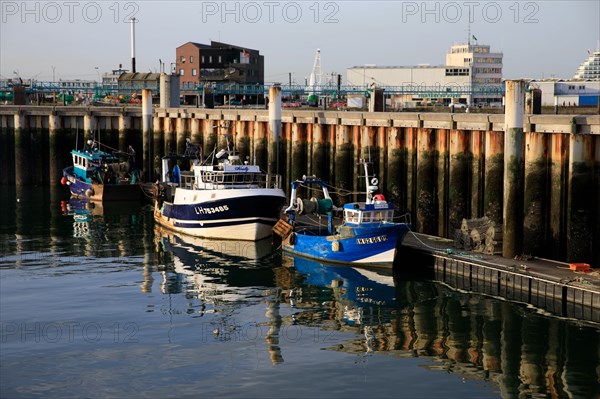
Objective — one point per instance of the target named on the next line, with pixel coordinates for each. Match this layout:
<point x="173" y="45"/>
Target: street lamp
<point x="97" y="83"/>
<point x="257" y="85"/>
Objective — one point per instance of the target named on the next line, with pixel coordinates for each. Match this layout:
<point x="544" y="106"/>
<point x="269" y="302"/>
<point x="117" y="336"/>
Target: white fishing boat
<point x="222" y="197"/>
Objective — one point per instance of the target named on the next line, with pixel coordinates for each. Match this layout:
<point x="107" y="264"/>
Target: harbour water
<point x="96" y="301"/>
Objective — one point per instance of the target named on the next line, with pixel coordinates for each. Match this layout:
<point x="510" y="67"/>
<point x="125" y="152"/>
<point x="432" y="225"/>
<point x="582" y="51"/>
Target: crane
<point x="315" y="79"/>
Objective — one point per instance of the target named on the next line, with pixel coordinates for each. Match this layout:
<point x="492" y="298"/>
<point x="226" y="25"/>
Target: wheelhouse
<point x="362" y="213"/>
<point x="87" y="163"/>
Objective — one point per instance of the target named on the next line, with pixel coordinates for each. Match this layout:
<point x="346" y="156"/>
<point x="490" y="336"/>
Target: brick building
<point x="218" y="62"/>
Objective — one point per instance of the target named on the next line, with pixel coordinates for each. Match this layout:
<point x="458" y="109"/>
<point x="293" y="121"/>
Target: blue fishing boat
<point x="366" y="234"/>
<point x="103" y="174"/>
<point x="221" y="197"/>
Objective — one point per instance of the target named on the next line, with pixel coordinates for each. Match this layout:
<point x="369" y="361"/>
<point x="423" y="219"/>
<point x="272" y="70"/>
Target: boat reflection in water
<point x="355" y="286"/>
<point x="294" y="308"/>
<point x="105" y="229"/>
<point x="479" y="338"/>
<point x="225" y="278"/>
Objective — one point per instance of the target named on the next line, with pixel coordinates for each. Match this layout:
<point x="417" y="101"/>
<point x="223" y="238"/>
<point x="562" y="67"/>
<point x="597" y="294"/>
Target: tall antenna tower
<point x="469" y="29"/>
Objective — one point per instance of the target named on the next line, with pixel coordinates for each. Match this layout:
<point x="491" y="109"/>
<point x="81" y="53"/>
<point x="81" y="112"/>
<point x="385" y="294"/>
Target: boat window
<point x="352" y="216"/>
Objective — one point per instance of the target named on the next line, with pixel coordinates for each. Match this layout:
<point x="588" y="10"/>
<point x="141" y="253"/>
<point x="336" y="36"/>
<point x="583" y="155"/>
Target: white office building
<point x="471" y="70"/>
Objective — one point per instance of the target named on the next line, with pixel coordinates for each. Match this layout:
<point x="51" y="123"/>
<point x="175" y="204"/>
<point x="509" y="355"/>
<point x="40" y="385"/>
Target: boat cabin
<point x="227" y="174"/>
<point x="362" y="213"/>
<point x="86" y="163"/>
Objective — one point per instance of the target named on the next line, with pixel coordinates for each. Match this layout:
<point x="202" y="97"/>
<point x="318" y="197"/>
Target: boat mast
<point x="370" y="185"/>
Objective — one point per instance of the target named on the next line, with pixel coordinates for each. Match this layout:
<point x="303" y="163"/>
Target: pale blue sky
<point x="538" y="38"/>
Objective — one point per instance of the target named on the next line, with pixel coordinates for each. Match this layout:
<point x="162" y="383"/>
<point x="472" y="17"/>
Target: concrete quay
<point x="545" y="284"/>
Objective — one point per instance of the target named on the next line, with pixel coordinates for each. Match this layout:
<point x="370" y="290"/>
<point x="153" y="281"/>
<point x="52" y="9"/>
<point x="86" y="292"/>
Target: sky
<point x="71" y="39"/>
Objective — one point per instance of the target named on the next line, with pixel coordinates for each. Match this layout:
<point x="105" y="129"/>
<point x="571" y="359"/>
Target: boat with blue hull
<point x="367" y="233"/>
<point x="222" y="198"/>
<point x="99" y="174"/>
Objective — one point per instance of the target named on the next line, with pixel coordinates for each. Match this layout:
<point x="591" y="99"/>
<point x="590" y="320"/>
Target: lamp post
<point x="257" y="86"/>
<point x="53" y="84"/>
<point x="98" y="82"/>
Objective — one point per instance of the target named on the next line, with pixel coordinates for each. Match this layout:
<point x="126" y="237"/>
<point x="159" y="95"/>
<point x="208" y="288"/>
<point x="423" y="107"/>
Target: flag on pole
<point x="474" y="38"/>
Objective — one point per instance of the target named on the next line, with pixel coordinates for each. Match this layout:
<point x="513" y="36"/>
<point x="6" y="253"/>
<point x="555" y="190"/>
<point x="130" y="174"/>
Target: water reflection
<point x="524" y="353"/>
<point x="521" y="352"/>
<point x="223" y="276"/>
<point x="106" y="229"/>
<point x="227" y="309"/>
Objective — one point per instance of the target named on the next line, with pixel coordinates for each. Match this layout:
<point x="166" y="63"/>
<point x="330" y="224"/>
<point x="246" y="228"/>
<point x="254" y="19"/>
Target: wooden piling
<point x="535" y="192"/>
<point x="54" y="146"/>
<point x="320" y="153"/>
<point x="442" y="181"/>
<point x="582" y="199"/>
<point x="512" y="243"/>
<point x="22" y="151"/>
<point x="181" y="134"/>
<point x="459" y="178"/>
<point x="147" y="158"/>
<point x="299" y="167"/>
<point x="426" y="218"/>
<point x="274" y="136"/>
<point x="344" y="161"/>
<point x="395" y="176"/>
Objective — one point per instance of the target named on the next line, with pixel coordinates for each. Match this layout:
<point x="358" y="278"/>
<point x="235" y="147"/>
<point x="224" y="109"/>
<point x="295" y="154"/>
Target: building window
<point x="220" y="59"/>
<point x="202" y="59"/>
<point x="194" y="72"/>
<point x="181" y="58"/>
<point x="181" y="72"/>
<point x="191" y="59"/>
<point x="210" y="59"/>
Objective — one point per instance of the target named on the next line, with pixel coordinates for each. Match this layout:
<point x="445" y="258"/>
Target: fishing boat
<point x="366" y="234"/>
<point x="100" y="173"/>
<point x="221" y="197"/>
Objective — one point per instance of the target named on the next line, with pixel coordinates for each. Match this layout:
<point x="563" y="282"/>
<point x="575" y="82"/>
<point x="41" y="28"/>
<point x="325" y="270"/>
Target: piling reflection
<point x="524" y="353"/>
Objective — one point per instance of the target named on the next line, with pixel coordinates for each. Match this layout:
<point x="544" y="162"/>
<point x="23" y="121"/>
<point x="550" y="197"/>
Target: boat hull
<point x="102" y="192"/>
<point x="368" y="246"/>
<point x="245" y="214"/>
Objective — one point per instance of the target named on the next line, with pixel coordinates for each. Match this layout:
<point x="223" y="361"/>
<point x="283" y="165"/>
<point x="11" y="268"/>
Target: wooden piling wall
<point x="439" y="168"/>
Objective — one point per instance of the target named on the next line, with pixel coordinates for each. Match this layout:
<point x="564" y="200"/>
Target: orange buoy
<point x="63" y="181"/>
<point x="379" y="197"/>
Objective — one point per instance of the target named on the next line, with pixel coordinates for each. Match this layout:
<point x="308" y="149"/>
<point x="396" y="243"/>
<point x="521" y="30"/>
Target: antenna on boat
<point x="370" y="184"/>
